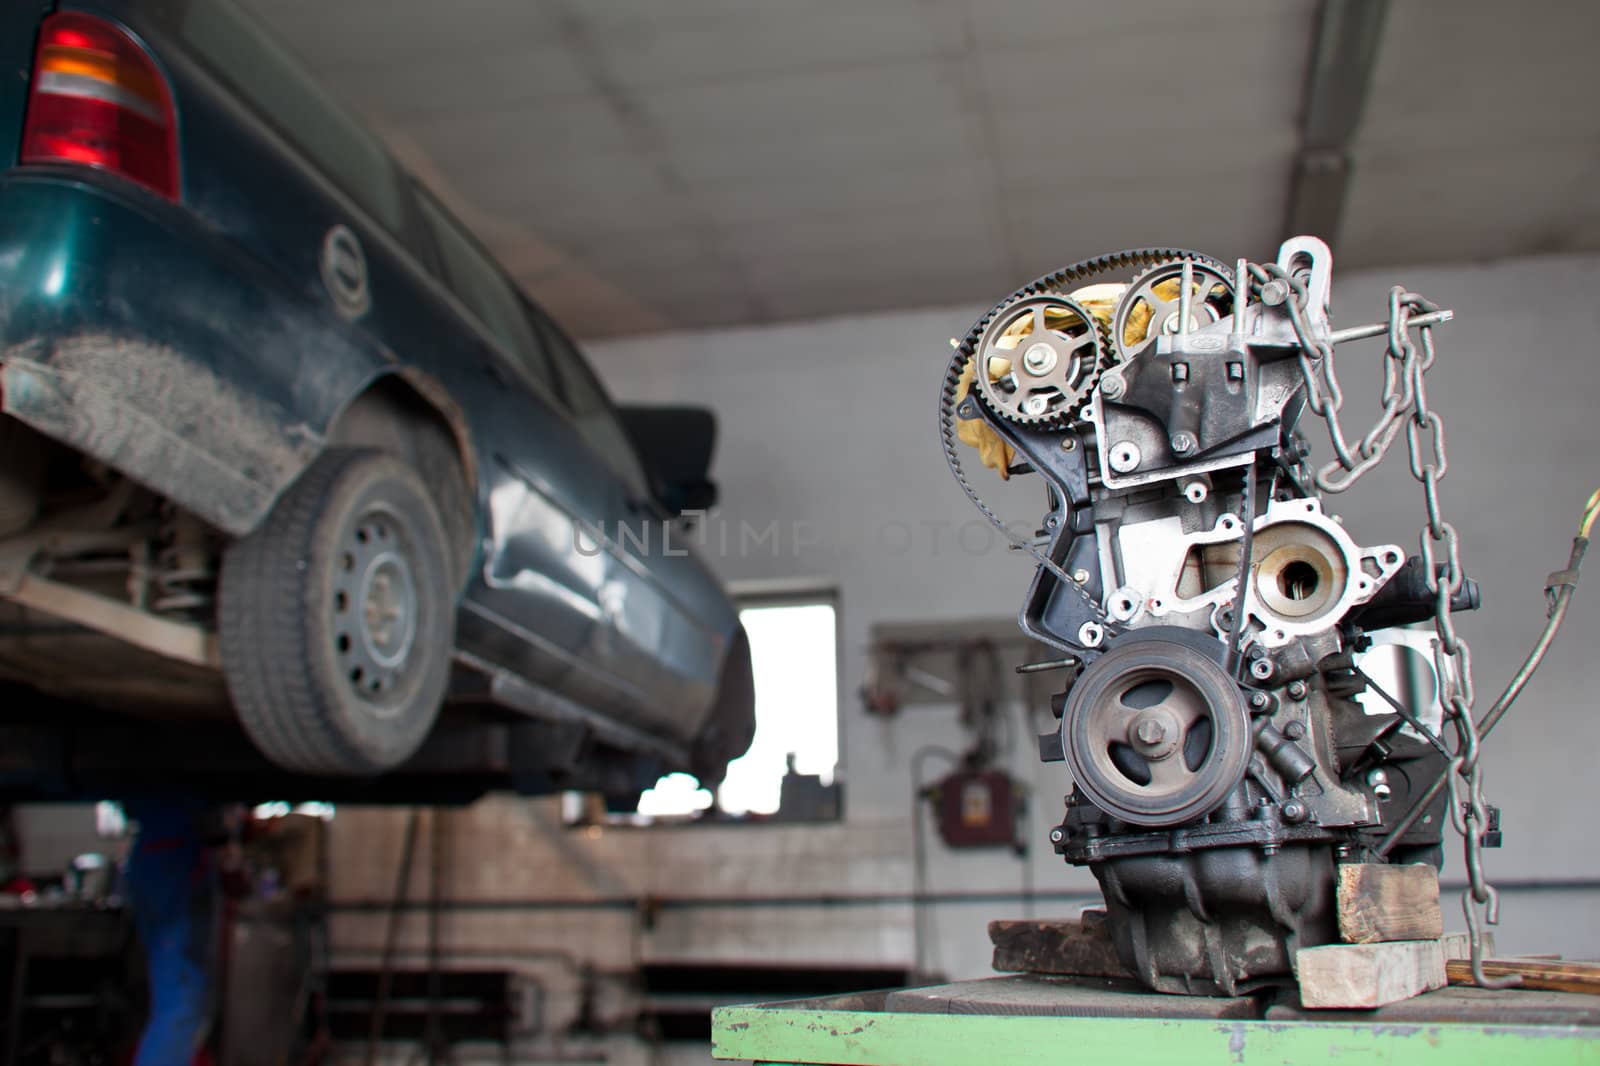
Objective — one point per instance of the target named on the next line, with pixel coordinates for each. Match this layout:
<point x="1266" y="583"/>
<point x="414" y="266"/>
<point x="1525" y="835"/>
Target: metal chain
<point x="1405" y="407"/>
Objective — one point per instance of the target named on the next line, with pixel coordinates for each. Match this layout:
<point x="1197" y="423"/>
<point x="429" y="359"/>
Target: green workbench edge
<point x="780" y="1035"/>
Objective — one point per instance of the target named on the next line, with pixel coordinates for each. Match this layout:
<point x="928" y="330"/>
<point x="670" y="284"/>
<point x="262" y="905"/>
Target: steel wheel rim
<point x="375" y="607"/>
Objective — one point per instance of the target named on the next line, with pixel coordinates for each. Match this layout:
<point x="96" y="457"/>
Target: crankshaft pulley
<point x="1155" y="732"/>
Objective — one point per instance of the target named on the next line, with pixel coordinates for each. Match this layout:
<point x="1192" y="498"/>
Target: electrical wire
<point x="1024" y="849"/>
<point x="402" y="885"/>
<point x="920" y="940"/>
<point x="1559" y="589"/>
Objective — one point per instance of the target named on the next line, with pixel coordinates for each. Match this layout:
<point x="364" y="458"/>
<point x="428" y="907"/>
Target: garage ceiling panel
<point x="651" y="166"/>
<point x="659" y="46"/>
<point x="451" y="86"/>
<point x="875" y="100"/>
<point x="1141" y="33"/>
<point x="1482" y="74"/>
<point x="955" y="188"/>
<point x="1556" y="193"/>
<point x="779" y="150"/>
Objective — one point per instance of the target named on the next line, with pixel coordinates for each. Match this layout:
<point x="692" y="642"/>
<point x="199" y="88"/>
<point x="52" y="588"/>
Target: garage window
<point x="794" y="650"/>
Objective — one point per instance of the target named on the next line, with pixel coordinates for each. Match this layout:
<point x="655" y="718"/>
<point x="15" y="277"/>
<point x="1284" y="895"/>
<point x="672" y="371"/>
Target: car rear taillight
<point x="97" y="99"/>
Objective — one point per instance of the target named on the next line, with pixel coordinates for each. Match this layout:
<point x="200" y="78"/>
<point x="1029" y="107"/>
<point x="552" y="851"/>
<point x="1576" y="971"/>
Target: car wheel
<point x="337" y="618"/>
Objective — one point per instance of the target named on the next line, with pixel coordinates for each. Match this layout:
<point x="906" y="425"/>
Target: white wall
<point x="828" y="429"/>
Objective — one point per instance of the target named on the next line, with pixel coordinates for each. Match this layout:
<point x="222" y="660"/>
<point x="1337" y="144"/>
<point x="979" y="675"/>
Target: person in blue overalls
<point x="172" y="888"/>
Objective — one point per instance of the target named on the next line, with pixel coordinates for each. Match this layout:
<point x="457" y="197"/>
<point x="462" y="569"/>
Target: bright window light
<point x="675" y="794"/>
<point x="110" y="821"/>
<point x="793" y="649"/>
<point x="278" y="809"/>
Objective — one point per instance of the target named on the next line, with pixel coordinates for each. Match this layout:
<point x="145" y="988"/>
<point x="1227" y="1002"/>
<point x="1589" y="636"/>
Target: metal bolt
<point x="1069" y="443"/>
<point x="1258" y="699"/>
<point x="1294" y="730"/>
<point x="1081" y="576"/>
<point x="1150" y="732"/>
<point x="1379" y="780"/>
<point x="1274" y="293"/>
<point x="1180" y="372"/>
<point x="1126" y="603"/>
<point x="1183" y="443"/>
<point x="1112" y="385"/>
<point x="1057" y="836"/>
<point x="1294" y="811"/>
<point x="1297" y="690"/>
<point x="1035" y="405"/>
<point x="1040" y="359"/>
<point x="1125" y="456"/>
<point x="1090" y="634"/>
<point x="1261" y="669"/>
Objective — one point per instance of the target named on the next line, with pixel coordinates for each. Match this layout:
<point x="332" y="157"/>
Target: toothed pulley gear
<point x="1039" y="358"/>
<point x="1150" y="307"/>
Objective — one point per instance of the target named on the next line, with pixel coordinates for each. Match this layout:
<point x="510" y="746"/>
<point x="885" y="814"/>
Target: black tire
<point x="320" y="685"/>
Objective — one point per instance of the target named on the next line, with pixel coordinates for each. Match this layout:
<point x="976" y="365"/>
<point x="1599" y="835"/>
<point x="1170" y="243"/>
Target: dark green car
<point x="281" y="447"/>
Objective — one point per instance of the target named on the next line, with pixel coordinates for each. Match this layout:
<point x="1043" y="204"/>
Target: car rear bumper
<point x="139" y="337"/>
<point x="60" y="389"/>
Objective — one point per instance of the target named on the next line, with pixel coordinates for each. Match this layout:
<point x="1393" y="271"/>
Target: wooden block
<point x="1535" y="973"/>
<point x="1459" y="945"/>
<point x="1380" y="902"/>
<point x="1368" y="975"/>
<point x="1463" y="1005"/>
<point x="1080" y="948"/>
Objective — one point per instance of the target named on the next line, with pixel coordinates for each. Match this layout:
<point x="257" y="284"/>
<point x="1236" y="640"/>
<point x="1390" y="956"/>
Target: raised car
<point x="281" y="445"/>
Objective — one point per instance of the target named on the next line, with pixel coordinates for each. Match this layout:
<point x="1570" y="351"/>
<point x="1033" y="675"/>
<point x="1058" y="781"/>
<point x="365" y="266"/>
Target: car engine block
<point x="1208" y="607"/>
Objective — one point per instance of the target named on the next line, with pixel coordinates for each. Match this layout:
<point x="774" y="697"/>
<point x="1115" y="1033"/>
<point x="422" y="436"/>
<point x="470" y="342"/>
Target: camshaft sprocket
<point x="1039" y="358"/>
<point x="952" y="392"/>
<point x="1150" y="307"/>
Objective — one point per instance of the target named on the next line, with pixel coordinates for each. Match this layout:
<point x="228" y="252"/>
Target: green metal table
<point x="1032" y="1021"/>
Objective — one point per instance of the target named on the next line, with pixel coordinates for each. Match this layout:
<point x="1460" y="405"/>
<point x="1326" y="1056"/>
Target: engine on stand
<point x="1208" y="606"/>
